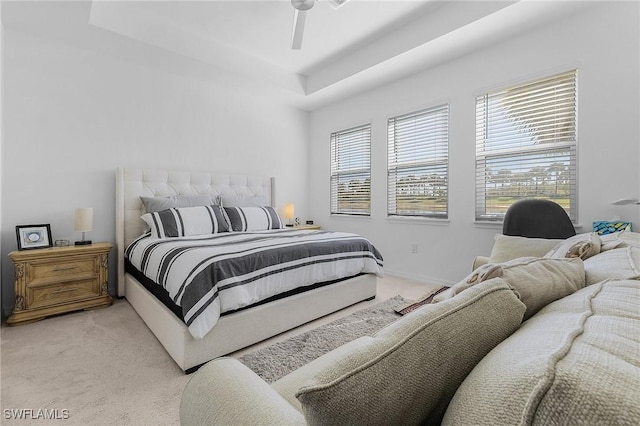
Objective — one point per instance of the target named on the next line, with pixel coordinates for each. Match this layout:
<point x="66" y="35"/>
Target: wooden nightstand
<point x="315" y="227"/>
<point x="61" y="279"/>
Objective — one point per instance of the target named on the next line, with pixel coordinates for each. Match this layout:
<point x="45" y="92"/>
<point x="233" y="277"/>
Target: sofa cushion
<point x="537" y="281"/>
<point x="622" y="262"/>
<point x="507" y="247"/>
<point x="410" y="370"/>
<point x="575" y="362"/>
<point x="582" y="245"/>
<point x="628" y="238"/>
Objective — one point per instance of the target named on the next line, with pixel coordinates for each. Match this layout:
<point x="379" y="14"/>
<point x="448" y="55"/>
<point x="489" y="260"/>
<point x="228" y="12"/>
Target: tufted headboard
<point x="131" y="183"/>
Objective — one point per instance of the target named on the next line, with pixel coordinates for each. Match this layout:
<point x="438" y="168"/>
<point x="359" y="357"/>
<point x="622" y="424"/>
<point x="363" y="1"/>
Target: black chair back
<point x="535" y="218"/>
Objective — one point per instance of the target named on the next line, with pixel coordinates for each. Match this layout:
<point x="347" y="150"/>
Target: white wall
<point x="72" y="115"/>
<point x="602" y="42"/>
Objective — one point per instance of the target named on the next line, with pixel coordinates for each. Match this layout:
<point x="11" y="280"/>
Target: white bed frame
<point x="234" y="331"/>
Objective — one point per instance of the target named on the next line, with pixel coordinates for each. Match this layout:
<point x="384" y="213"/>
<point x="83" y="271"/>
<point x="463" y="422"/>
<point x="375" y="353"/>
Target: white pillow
<point x="186" y="221"/>
<point x="157" y="204"/>
<point x="242" y="219"/>
<point x="240" y="201"/>
<point x="621" y="263"/>
<point x="581" y="245"/>
<point x="629" y="238"/>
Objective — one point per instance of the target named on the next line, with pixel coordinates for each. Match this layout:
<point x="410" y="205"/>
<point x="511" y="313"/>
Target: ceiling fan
<point x="300" y="15"/>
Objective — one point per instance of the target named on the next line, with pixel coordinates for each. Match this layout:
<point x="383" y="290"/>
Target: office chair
<point x="535" y="218"/>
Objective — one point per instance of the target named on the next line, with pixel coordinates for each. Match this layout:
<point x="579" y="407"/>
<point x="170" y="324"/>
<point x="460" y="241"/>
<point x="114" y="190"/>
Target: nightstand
<point x="315" y="227"/>
<point x="55" y="280"/>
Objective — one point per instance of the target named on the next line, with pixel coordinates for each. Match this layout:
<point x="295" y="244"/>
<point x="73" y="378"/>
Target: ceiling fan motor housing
<point x="303" y="4"/>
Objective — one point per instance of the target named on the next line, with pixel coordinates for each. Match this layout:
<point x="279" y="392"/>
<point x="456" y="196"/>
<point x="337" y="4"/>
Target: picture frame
<point x="34" y="236"/>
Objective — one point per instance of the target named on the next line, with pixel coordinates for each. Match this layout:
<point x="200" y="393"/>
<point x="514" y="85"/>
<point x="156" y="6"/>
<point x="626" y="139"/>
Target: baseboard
<point x="416" y="277"/>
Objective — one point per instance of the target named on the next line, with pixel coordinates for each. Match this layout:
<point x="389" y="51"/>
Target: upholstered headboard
<point x="132" y="183"/>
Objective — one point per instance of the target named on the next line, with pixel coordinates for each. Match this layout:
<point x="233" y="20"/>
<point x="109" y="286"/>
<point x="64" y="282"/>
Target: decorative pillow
<point x="157" y="204"/>
<point x="537" y="281"/>
<point x="628" y="238"/>
<point x="507" y="247"/>
<point x="244" y="219"/>
<point x="409" y="371"/>
<point x="611" y="241"/>
<point x="623" y="263"/>
<point x="239" y="201"/>
<point x="582" y="245"/>
<point x="482" y="273"/>
<point x="186" y="221"/>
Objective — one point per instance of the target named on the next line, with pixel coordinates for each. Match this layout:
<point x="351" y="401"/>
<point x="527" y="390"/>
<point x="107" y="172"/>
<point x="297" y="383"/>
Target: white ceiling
<point x="360" y="45"/>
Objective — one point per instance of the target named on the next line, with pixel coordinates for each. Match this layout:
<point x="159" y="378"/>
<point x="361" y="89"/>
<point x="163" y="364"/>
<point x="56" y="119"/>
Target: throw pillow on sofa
<point x="537" y="281"/>
<point x="582" y="245"/>
<point x="408" y="372"/>
<point x="507" y="247"/>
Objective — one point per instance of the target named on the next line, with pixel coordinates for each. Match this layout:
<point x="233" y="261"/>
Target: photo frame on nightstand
<point x="33" y="236"/>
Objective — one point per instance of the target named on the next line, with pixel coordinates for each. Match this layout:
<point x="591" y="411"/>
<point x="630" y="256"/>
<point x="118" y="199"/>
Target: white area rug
<point x="279" y="359"/>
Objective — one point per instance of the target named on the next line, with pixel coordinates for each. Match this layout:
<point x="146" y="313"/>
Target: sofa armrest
<point x="225" y="392"/>
<point x="479" y="261"/>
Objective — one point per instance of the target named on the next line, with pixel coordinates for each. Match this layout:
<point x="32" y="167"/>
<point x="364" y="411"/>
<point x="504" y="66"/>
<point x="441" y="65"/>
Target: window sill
<point x="418" y="220"/>
<point x="349" y="217"/>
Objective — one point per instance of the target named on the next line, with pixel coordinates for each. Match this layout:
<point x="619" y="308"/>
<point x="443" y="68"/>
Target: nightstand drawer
<point x="55" y="270"/>
<point x="47" y="295"/>
<point x="52" y="281"/>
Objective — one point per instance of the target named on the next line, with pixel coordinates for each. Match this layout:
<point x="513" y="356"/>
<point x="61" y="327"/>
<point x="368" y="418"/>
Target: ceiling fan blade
<point x="299" y="18"/>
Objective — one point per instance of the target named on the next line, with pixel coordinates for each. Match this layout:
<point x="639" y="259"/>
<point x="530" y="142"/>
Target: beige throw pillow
<point x="507" y="247"/>
<point x="582" y="245"/>
<point x="409" y="371"/>
<point x="540" y="281"/>
<point x="537" y="281"/>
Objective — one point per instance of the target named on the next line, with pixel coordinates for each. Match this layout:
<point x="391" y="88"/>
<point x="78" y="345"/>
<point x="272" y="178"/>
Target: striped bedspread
<point x="207" y="275"/>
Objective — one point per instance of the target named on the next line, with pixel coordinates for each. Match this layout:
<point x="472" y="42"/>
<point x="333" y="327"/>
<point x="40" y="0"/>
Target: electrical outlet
<point x="414" y="248"/>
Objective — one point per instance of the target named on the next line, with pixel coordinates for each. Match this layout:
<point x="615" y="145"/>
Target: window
<point x="417" y="163"/>
<point x="526" y="146"/>
<point x="351" y="171"/>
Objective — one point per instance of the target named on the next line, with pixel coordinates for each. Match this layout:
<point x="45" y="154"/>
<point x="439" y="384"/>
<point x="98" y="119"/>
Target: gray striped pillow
<point x="254" y="218"/>
<point x="186" y="221"/>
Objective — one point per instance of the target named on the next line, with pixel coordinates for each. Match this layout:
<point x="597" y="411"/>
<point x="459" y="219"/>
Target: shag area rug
<point x="279" y="359"/>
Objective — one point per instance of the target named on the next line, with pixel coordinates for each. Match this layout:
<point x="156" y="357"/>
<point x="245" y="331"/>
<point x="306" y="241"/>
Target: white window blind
<point x="351" y="171"/>
<point x="418" y="163"/>
<point x="526" y="145"/>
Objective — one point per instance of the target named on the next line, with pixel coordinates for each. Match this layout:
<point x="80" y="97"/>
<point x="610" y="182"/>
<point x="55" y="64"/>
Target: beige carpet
<point x="106" y="368"/>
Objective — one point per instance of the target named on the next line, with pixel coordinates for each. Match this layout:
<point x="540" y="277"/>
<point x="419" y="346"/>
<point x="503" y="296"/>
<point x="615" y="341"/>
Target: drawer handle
<point x="64" y="268"/>
<point x="65" y="289"/>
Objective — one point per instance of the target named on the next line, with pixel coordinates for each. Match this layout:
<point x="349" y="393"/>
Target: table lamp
<point x="289" y="213"/>
<point x="83" y="222"/>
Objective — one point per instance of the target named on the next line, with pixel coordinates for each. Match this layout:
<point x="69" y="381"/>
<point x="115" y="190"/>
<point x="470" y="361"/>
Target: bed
<point x="234" y="330"/>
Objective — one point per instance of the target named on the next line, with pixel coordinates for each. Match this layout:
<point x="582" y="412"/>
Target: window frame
<point x="433" y="162"/>
<point x="563" y="142"/>
<point x="336" y="172"/>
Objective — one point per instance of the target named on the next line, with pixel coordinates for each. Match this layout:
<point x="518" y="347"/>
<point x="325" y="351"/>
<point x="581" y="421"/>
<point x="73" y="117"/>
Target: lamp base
<point x="83" y="243"/>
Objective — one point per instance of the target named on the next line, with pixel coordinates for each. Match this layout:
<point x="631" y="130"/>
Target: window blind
<point x="351" y="171"/>
<point x="418" y="163"/>
<point x="526" y="140"/>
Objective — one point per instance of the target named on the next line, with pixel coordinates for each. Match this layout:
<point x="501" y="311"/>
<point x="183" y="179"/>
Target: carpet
<point x="279" y="359"/>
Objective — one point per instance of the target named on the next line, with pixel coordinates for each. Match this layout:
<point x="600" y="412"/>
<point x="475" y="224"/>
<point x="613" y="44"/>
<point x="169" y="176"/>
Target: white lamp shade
<point x="289" y="211"/>
<point x="83" y="219"/>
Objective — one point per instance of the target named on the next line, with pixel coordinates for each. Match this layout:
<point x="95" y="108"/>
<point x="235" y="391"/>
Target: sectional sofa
<point x="541" y="332"/>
